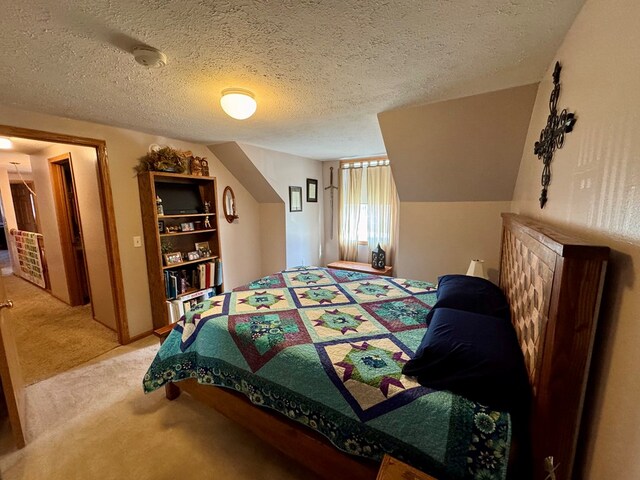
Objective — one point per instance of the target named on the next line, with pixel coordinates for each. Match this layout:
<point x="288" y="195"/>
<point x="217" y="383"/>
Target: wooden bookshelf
<point x="148" y="184"/>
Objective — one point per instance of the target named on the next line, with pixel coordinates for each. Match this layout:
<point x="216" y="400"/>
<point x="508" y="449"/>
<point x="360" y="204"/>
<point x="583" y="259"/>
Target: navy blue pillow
<point x="471" y="294"/>
<point x="476" y="356"/>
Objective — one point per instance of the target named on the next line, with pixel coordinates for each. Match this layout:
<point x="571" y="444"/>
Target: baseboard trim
<point x="139" y="337"/>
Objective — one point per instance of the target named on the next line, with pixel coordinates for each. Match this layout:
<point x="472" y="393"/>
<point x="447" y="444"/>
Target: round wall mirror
<point x="229" y="205"/>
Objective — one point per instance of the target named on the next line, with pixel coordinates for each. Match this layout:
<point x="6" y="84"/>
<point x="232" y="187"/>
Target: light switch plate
<point x="137" y="241"/>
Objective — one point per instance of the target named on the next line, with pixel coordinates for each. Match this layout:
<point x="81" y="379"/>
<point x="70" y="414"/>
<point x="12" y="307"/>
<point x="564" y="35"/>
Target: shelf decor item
<point x="195" y="164"/>
<point x="172" y="258"/>
<point x="162" y="159"/>
<point x="378" y="258"/>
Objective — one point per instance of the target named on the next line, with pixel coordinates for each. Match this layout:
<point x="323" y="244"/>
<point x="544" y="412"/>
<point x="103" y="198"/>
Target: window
<point x="368" y="206"/>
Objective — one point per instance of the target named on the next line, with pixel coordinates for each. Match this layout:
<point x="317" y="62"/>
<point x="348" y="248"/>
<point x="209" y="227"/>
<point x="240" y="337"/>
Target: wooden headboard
<point x="553" y="282"/>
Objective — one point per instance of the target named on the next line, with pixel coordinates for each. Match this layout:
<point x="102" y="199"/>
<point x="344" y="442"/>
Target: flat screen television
<point x="179" y="198"/>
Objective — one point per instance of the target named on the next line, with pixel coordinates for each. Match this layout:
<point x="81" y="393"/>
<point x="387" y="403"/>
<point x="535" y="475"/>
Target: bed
<point x="310" y="359"/>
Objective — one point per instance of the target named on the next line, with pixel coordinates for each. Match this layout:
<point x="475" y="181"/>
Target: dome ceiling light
<point x="5" y="143"/>
<point x="238" y="103"/>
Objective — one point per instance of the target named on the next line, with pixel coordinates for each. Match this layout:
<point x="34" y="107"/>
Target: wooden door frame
<point x="63" y="217"/>
<point x="108" y="214"/>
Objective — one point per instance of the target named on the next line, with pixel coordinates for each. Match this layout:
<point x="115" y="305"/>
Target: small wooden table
<point x="362" y="268"/>
<point x="394" y="469"/>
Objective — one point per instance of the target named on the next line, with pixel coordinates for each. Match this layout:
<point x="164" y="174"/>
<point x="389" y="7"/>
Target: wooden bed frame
<point x="553" y="282"/>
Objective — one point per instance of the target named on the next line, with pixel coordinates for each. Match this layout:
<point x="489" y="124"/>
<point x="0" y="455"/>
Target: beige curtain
<point x="350" y="189"/>
<point x="382" y="199"/>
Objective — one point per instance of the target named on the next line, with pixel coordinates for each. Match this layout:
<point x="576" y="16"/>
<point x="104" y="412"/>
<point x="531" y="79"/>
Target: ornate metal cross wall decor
<point x="552" y="136"/>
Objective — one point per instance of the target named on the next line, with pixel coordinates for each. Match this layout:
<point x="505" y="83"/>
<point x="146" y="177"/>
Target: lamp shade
<point x="238" y="103"/>
<point x="476" y="269"/>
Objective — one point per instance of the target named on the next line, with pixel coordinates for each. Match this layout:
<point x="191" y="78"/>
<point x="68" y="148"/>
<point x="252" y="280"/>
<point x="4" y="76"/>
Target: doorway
<point x="63" y="304"/>
<point x="105" y="204"/>
<point x="68" y="214"/>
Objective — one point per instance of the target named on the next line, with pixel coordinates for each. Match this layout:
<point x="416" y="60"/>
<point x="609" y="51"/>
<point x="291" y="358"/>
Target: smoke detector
<point x="149" y="56"/>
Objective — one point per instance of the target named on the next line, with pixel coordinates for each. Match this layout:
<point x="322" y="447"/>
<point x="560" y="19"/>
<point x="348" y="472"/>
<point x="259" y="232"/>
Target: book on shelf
<point x="183" y="304"/>
<point x="195" y="277"/>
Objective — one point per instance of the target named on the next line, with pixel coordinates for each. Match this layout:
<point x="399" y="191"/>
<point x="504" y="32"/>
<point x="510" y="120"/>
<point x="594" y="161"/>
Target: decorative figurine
<point x="205" y="167"/>
<point x="159" y="205"/>
<point x="207" y="207"/>
<point x="378" y="258"/>
<point x="207" y="223"/>
<point x="196" y="166"/>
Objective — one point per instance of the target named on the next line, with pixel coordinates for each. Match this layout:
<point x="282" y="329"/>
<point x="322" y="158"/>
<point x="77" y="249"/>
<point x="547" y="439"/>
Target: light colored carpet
<point x="51" y="336"/>
<point x="94" y="422"/>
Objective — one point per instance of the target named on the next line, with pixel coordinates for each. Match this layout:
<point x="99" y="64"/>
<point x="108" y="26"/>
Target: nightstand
<point x="394" y="469"/>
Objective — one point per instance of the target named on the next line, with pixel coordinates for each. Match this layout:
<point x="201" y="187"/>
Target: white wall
<point x="594" y="191"/>
<point x="240" y="242"/>
<point x="304" y="230"/>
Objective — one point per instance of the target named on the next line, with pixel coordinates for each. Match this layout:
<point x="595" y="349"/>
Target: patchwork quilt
<point x="326" y="348"/>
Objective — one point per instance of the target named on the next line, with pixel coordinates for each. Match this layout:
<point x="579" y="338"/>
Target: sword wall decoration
<point x="331" y="188"/>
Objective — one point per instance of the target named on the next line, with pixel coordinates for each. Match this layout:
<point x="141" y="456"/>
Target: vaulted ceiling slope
<point x="320" y="69"/>
<point x="240" y="165"/>
<point x="461" y="150"/>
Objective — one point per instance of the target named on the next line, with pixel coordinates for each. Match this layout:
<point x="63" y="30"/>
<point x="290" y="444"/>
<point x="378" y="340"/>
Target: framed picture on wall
<point x="312" y="190"/>
<point x="295" y="199"/>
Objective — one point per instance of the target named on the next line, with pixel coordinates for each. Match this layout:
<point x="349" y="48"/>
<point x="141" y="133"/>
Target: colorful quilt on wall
<point x="28" y="251"/>
<point x="326" y="348"/>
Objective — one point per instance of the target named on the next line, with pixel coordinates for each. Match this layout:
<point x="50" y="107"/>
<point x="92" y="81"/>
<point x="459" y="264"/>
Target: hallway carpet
<point x="94" y="422"/>
<point x="51" y="336"/>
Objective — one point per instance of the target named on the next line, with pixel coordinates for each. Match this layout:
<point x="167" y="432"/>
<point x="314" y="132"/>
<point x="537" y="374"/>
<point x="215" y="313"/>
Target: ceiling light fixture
<point x="238" y="103"/>
<point x="5" y="143"/>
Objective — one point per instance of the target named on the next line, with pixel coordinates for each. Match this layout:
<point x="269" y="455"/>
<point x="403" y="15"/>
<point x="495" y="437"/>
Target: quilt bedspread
<point x="326" y="348"/>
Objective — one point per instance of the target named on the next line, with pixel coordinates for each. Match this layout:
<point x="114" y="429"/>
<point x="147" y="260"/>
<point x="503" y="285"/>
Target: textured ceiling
<point x="320" y="69"/>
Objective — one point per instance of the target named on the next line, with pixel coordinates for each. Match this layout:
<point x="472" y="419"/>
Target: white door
<point x="10" y="371"/>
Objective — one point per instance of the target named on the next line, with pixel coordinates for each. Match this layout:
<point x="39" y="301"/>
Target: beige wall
<point x="240" y="242"/>
<point x="460" y="150"/>
<point x="595" y="190"/>
<point x="304" y="230"/>
<point x="85" y="171"/>
<point x="49" y="222"/>
<point x="8" y="212"/>
<point x="273" y="246"/>
<point x="455" y="165"/>
<point x="437" y="238"/>
<point x="331" y="252"/>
